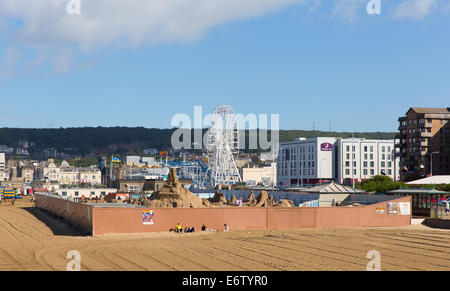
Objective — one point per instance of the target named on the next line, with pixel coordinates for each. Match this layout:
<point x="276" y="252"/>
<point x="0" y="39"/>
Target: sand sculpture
<point x="262" y="199"/>
<point x="285" y="203"/>
<point x="219" y="198"/>
<point x="251" y="199"/>
<point x="233" y="200"/>
<point x="173" y="194"/>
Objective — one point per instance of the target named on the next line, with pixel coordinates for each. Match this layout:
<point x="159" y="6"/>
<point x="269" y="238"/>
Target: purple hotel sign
<point x="326" y="147"/>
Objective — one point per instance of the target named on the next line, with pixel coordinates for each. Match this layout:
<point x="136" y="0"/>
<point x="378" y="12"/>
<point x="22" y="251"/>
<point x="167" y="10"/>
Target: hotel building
<point x="311" y="161"/>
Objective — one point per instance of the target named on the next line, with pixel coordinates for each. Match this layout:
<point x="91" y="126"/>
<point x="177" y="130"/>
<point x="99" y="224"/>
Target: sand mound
<point x="174" y="195"/>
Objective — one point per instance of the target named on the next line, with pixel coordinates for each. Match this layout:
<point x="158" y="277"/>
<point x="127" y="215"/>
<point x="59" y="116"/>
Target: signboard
<point x="326" y="147"/>
<point x="405" y="208"/>
<point x="147" y="217"/>
<point x="380" y="210"/>
<point x="392" y="207"/>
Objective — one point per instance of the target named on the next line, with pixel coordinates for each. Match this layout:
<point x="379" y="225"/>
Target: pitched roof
<point x="424" y="110"/>
<point x="438" y="179"/>
<point x="333" y="188"/>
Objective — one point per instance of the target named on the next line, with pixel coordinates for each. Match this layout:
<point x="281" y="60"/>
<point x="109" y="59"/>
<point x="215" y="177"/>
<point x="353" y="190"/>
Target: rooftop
<point x="433" y="180"/>
<point x="424" y="110"/>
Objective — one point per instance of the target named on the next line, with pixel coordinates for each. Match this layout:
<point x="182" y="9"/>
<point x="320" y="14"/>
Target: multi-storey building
<point x="259" y="175"/>
<point x="424" y="142"/>
<point x="360" y="159"/>
<point x="2" y="162"/>
<point x="317" y="160"/>
<point x="70" y="175"/>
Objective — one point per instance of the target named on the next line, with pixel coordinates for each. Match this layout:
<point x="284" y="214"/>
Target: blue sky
<point x="308" y="61"/>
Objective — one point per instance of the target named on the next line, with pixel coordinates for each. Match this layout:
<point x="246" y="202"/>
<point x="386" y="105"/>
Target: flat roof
<point x="417" y="191"/>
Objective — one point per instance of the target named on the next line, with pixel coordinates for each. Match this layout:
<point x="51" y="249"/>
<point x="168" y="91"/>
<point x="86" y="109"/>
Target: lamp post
<point x="431" y="162"/>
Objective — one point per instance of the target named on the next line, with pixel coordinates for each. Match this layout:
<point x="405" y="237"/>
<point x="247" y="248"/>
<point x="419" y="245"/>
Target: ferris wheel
<point x="222" y="144"/>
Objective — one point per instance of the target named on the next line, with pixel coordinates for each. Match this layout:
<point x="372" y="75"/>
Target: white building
<point x="70" y="175"/>
<point x="262" y="175"/>
<point x="2" y="162"/>
<point x="317" y="160"/>
<point x="85" y="192"/>
<point x="360" y="159"/>
<point x="4" y="175"/>
<point x="305" y="161"/>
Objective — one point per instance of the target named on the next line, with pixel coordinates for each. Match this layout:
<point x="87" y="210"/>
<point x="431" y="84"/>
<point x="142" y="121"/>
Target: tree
<point x="379" y="184"/>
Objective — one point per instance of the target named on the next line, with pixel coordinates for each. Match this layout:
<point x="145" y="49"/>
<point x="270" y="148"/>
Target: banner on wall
<point x="405" y="208"/>
<point x="147" y="217"/>
<point x="380" y="210"/>
<point x="392" y="208"/>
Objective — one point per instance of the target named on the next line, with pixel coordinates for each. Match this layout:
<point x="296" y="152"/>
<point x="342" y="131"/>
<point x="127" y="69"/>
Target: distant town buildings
<point x="150" y="151"/>
<point x="87" y="193"/>
<point x="266" y="176"/>
<point x="424" y="142"/>
<point x="139" y="161"/>
<point x="66" y="174"/>
<point x="311" y="161"/>
<point x="2" y="162"/>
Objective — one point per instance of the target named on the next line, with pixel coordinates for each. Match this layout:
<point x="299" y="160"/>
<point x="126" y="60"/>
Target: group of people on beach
<point x="12" y="201"/>
<point x="179" y="229"/>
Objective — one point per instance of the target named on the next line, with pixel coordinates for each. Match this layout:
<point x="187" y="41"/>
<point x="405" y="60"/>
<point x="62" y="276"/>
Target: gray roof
<point x="333" y="188"/>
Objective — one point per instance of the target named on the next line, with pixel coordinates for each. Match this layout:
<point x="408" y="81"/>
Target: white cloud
<point x="49" y="35"/>
<point x="55" y="37"/>
<point x="131" y="22"/>
<point x="415" y="9"/>
<point x="349" y="10"/>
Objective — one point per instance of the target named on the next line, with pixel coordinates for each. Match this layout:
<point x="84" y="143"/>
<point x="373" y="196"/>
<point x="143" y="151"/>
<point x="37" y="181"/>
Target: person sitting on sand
<point x="179" y="228"/>
<point x="203" y="227"/>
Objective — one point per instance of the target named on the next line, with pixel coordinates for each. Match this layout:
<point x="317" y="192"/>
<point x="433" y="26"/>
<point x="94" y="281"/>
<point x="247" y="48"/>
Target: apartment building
<point x="317" y="160"/>
<point x="424" y="142"/>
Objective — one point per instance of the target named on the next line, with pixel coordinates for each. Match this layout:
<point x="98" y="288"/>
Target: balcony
<point x="426" y="134"/>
